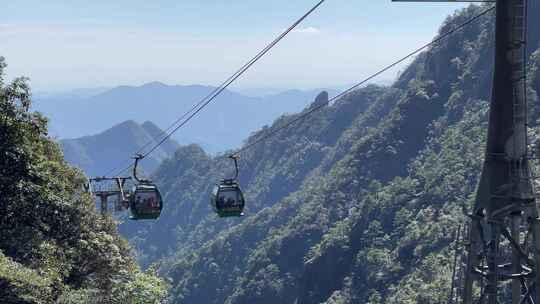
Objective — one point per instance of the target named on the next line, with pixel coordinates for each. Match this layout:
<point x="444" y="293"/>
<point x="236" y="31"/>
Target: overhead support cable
<point x="366" y="80"/>
<point x="236" y="76"/>
<point x="203" y="103"/>
<point x="190" y="114"/>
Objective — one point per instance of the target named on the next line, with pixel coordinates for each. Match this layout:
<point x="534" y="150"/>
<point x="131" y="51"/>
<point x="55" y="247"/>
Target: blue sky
<point x="65" y="44"/>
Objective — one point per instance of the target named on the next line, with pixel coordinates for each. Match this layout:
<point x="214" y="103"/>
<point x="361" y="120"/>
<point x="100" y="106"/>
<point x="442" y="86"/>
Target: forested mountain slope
<point x="187" y="178"/>
<point x="359" y="203"/>
<point x="54" y="247"/>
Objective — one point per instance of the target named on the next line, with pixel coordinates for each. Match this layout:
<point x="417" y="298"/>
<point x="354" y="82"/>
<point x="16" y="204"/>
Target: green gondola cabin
<point x="227" y="199"/>
<point x="146" y="202"/>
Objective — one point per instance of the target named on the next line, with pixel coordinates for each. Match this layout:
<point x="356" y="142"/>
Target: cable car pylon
<point x="504" y="231"/>
<point x="105" y="193"/>
<point x="144" y="200"/>
<point x="505" y="210"/>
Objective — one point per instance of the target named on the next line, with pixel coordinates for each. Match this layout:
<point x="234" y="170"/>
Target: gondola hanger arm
<point x="235" y="157"/>
<point x="137" y="158"/>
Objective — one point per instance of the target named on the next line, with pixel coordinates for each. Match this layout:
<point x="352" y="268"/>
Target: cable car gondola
<point x="145" y="202"/>
<point x="227" y="198"/>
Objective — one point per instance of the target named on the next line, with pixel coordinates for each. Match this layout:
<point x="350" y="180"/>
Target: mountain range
<point x="98" y="154"/>
<point x="358" y="203"/>
<point x="223" y="125"/>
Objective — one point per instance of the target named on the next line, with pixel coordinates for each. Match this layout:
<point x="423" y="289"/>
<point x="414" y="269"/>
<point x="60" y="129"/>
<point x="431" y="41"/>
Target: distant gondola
<point x="227" y="198"/>
<point x="145" y="202"/>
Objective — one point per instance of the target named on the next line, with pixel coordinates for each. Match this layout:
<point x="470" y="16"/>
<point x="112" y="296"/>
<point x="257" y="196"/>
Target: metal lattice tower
<point x="503" y="262"/>
<point x="105" y="187"/>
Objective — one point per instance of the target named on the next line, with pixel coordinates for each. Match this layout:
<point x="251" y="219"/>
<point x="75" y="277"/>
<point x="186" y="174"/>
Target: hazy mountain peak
<point x="223" y="125"/>
<point x="154" y="84"/>
<point x="189" y="151"/>
<point x="148" y="125"/>
<point x="99" y="153"/>
<point x="127" y="123"/>
<point x="320" y="100"/>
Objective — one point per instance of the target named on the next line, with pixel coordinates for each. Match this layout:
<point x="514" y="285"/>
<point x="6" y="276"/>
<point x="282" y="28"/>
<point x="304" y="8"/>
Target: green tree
<point x="54" y="246"/>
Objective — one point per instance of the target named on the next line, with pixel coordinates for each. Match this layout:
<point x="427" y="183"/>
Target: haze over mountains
<point x="100" y="153"/>
<point x="223" y="125"/>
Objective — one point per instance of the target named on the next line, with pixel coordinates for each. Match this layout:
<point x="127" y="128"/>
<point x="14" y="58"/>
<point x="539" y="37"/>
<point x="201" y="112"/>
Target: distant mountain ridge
<point x="358" y="203"/>
<point x="98" y="154"/>
<point x="222" y="125"/>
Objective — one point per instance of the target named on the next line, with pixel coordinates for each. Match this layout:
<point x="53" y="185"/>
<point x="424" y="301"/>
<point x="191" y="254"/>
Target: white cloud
<point x="308" y="30"/>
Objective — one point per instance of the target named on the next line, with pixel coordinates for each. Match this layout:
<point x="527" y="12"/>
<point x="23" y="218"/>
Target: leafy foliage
<point x="54" y="247"/>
